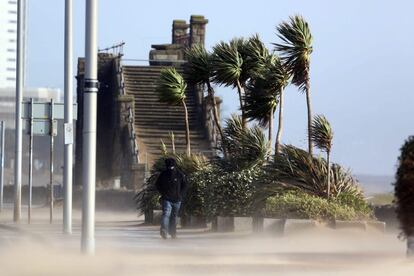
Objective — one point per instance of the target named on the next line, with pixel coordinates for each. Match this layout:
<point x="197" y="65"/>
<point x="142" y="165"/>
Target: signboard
<point x="41" y="110"/>
<point x="68" y="133"/>
<point x="42" y="128"/>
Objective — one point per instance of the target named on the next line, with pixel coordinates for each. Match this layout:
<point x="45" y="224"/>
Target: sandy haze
<point x="124" y="247"/>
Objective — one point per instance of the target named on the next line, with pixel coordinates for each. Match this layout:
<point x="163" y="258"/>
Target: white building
<point x="8" y="46"/>
<point x="8" y="35"/>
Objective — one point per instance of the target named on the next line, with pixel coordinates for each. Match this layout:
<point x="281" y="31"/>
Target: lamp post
<point x="68" y="152"/>
<point x="18" y="114"/>
<point x="89" y="128"/>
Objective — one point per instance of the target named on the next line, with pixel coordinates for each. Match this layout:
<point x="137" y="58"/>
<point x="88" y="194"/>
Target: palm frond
<point x="171" y="87"/>
<point x="227" y="63"/>
<point x="198" y="68"/>
<point x="260" y="101"/>
<point x="295" y="49"/>
<point x="245" y="147"/>
<point x="263" y="90"/>
<point x="321" y="133"/>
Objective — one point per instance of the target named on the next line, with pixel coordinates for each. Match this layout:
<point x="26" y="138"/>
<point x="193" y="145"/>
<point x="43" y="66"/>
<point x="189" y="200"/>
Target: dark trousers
<point x="169" y="217"/>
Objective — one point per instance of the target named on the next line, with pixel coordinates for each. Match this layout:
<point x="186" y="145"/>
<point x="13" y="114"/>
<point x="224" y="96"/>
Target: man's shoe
<point x="173" y="236"/>
<point x="163" y="235"/>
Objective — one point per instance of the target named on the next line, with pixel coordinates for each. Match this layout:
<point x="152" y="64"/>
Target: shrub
<point x="404" y="188"/>
<point x="297" y="204"/>
<point x="148" y="197"/>
<point x="295" y="168"/>
<point x="230" y="193"/>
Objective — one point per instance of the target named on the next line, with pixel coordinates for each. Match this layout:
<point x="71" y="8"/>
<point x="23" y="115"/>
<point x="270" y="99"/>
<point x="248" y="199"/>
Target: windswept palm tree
<point x="198" y="71"/>
<point x="171" y="89"/>
<point x="295" y="51"/>
<point x="227" y="64"/>
<point x="322" y="136"/>
<point x="247" y="147"/>
<point x="265" y="92"/>
<point x="235" y="63"/>
<point x="260" y="103"/>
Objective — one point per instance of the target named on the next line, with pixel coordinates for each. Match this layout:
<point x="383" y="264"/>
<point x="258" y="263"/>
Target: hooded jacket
<point x="171" y="183"/>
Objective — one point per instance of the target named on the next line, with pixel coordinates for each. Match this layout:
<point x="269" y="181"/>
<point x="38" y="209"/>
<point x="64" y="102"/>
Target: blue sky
<point x="360" y="72"/>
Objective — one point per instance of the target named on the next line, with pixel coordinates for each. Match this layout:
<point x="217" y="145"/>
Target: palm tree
<point x="260" y="103"/>
<point x="171" y="89"/>
<point x="295" y="51"/>
<point x="234" y="63"/>
<point x="265" y="92"/>
<point x="227" y="64"/>
<point x="198" y="71"/>
<point x="322" y="136"/>
<point x="404" y="193"/>
<point x="247" y="147"/>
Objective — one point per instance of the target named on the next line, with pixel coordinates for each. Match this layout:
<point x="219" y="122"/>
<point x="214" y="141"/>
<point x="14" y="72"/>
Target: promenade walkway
<point x="124" y="246"/>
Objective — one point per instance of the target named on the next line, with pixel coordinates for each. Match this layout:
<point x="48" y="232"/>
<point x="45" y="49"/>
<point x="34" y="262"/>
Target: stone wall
<point x="109" y="150"/>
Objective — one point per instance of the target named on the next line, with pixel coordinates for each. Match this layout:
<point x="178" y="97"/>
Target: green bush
<point x="404" y="188"/>
<point x="214" y="191"/>
<point x="294" y="168"/>
<point x="300" y="205"/>
<point x="231" y="193"/>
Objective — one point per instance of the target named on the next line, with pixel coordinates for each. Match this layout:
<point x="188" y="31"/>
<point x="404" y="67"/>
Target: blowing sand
<point x="125" y="247"/>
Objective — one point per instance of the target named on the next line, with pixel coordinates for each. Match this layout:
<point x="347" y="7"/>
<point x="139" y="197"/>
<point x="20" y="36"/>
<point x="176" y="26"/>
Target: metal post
<point x="3" y="126"/>
<point x="29" y="210"/>
<point x="52" y="130"/>
<point x="18" y="115"/>
<point x="68" y="158"/>
<point x="89" y="128"/>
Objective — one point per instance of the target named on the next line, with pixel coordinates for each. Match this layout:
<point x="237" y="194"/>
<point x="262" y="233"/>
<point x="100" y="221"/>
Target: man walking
<point x="172" y="186"/>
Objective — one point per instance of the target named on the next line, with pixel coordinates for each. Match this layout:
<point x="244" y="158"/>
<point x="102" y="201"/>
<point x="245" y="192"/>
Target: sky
<point x="361" y="66"/>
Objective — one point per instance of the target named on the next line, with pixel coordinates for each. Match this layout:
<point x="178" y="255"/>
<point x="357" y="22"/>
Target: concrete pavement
<point x="127" y="247"/>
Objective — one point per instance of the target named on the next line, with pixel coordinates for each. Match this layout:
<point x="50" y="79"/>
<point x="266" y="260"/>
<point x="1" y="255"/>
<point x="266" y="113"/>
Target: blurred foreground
<point x="127" y="247"/>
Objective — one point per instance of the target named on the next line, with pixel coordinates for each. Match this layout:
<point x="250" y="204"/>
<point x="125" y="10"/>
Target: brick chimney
<point x="179" y="32"/>
<point x="197" y="29"/>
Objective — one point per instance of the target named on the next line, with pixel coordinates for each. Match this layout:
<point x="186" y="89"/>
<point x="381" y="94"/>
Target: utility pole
<point x="18" y="115"/>
<point x="52" y="134"/>
<point x="89" y="128"/>
<point x="68" y="154"/>
<point x="3" y="129"/>
<point x="29" y="207"/>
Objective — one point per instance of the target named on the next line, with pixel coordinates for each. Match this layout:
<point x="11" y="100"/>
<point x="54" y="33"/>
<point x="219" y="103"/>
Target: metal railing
<point x="116" y="49"/>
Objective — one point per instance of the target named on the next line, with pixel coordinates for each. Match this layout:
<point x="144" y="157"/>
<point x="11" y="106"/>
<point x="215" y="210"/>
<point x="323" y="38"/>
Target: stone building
<point x="132" y="123"/>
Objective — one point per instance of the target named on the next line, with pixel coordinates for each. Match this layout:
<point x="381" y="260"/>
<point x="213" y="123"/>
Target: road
<point x="124" y="246"/>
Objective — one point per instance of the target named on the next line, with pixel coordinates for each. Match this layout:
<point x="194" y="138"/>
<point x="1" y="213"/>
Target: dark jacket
<point x="172" y="184"/>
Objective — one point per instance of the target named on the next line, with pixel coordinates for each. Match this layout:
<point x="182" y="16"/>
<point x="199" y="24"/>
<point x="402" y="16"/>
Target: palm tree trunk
<point x="240" y="90"/>
<point x="270" y="136"/>
<point x="308" y="103"/>
<point x="215" y="111"/>
<point x="328" y="165"/>
<point x="280" y="126"/>
<point x="187" y="130"/>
